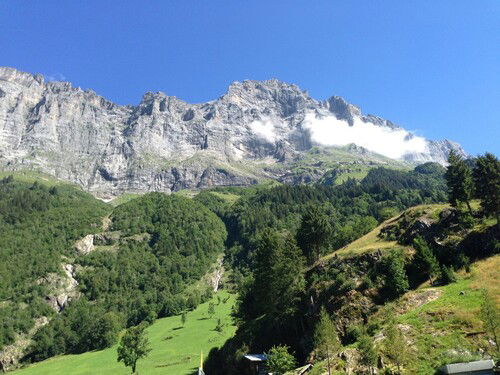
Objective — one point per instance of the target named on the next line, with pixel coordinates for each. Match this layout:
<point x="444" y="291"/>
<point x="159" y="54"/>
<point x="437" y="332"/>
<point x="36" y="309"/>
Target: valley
<point x="249" y="188"/>
<point x="176" y="348"/>
<point x="237" y="270"/>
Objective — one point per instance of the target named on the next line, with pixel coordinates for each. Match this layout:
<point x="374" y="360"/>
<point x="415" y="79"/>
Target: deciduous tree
<point x="134" y="345"/>
<point x="491" y="319"/>
<point x="279" y="360"/>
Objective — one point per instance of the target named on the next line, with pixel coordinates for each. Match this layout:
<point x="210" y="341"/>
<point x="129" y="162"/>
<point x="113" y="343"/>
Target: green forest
<point x="162" y="245"/>
<point x="38" y="225"/>
<point x="282" y="247"/>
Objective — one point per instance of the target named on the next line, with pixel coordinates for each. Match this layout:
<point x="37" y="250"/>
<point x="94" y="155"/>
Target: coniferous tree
<point x="396" y="280"/>
<point x="367" y="351"/>
<point x="459" y="179"/>
<point x="211" y="309"/>
<point x="395" y="345"/>
<point x="279" y="275"/>
<point x="447" y="275"/>
<point x="183" y="318"/>
<point x="487" y="182"/>
<point x="219" y="327"/>
<point x="326" y="339"/>
<point x="425" y="260"/>
<point x="314" y="232"/>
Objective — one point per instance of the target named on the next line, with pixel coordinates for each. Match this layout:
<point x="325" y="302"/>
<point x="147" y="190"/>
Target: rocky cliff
<point x="254" y="131"/>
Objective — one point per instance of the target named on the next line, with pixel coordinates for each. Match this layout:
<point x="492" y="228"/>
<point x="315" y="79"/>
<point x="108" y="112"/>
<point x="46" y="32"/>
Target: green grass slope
<point x="175" y="349"/>
<point x="373" y="241"/>
<point x="32" y="176"/>
<point x="442" y="323"/>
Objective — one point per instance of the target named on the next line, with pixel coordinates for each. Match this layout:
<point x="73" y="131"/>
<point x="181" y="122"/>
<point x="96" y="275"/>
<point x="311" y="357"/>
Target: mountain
<point x="257" y="130"/>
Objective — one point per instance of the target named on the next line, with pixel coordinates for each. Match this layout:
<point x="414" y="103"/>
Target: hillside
<point x="357" y="284"/>
<point x="76" y="271"/>
<point x="375" y="240"/>
<point x="378" y="257"/>
<point x="176" y="349"/>
<point x="441" y="323"/>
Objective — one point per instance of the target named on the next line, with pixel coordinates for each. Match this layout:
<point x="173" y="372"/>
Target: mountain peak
<point x="254" y="131"/>
<point x="16" y="76"/>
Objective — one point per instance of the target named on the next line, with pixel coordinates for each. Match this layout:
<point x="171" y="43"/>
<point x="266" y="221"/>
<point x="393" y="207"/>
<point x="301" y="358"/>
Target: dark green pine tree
<point x="424" y="260"/>
<point x="487" y="182"/>
<point x="368" y="353"/>
<point x="279" y="274"/>
<point x="314" y="232"/>
<point x="326" y="339"/>
<point x="396" y="280"/>
<point x="459" y="179"/>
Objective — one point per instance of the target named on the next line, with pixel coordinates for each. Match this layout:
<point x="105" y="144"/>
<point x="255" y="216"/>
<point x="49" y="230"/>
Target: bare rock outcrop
<point x="164" y="143"/>
<point x="62" y="288"/>
<point x="85" y="245"/>
<point x="11" y="354"/>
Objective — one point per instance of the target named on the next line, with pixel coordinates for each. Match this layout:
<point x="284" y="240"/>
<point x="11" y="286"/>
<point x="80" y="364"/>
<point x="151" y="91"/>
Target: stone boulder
<point x="85" y="245"/>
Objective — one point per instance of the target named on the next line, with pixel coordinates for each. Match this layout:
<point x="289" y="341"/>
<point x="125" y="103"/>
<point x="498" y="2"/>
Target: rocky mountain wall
<point x="164" y="143"/>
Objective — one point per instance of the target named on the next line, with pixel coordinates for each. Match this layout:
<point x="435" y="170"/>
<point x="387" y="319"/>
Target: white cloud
<point x="393" y="143"/>
<point x="264" y="129"/>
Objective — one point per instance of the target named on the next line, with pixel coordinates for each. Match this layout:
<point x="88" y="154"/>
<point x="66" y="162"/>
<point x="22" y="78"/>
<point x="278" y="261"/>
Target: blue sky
<point x="430" y="66"/>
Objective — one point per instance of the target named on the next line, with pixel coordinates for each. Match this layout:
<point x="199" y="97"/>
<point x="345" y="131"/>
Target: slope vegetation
<point x="176" y="348"/>
<point x="382" y="279"/>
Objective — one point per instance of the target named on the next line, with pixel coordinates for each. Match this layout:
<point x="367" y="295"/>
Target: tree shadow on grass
<point x="179" y="362"/>
<point x="177" y="328"/>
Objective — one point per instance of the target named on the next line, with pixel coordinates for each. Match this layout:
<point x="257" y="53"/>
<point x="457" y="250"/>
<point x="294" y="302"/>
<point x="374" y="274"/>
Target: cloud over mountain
<point x="391" y="142"/>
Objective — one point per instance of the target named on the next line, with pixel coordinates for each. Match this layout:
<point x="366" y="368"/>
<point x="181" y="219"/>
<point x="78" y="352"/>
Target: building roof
<point x="457" y="368"/>
<point x="256" y="357"/>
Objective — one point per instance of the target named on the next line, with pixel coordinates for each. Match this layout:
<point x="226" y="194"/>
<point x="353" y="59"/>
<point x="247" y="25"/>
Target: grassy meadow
<point x="175" y="348"/>
<point x="447" y="328"/>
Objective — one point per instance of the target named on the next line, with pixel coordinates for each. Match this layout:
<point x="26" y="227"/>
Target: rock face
<point x="63" y="289"/>
<point x="85" y="245"/>
<point x="165" y="144"/>
<point x="11" y="354"/>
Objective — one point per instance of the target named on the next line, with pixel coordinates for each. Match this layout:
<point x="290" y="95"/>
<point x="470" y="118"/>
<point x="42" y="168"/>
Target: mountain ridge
<point x="255" y="131"/>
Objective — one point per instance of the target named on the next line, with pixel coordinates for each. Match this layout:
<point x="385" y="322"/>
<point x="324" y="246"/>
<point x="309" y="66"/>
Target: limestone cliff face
<point x="163" y="144"/>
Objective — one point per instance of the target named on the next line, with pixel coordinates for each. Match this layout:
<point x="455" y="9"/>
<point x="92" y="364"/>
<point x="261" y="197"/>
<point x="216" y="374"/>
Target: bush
<point x="353" y="333"/>
<point x="395" y="278"/>
<point x="279" y="360"/>
<point x="447" y="275"/>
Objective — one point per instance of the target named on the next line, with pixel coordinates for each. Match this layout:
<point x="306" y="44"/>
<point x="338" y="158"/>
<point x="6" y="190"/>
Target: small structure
<point x="485" y="367"/>
<point x="200" y="369"/>
<point x="257" y="363"/>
